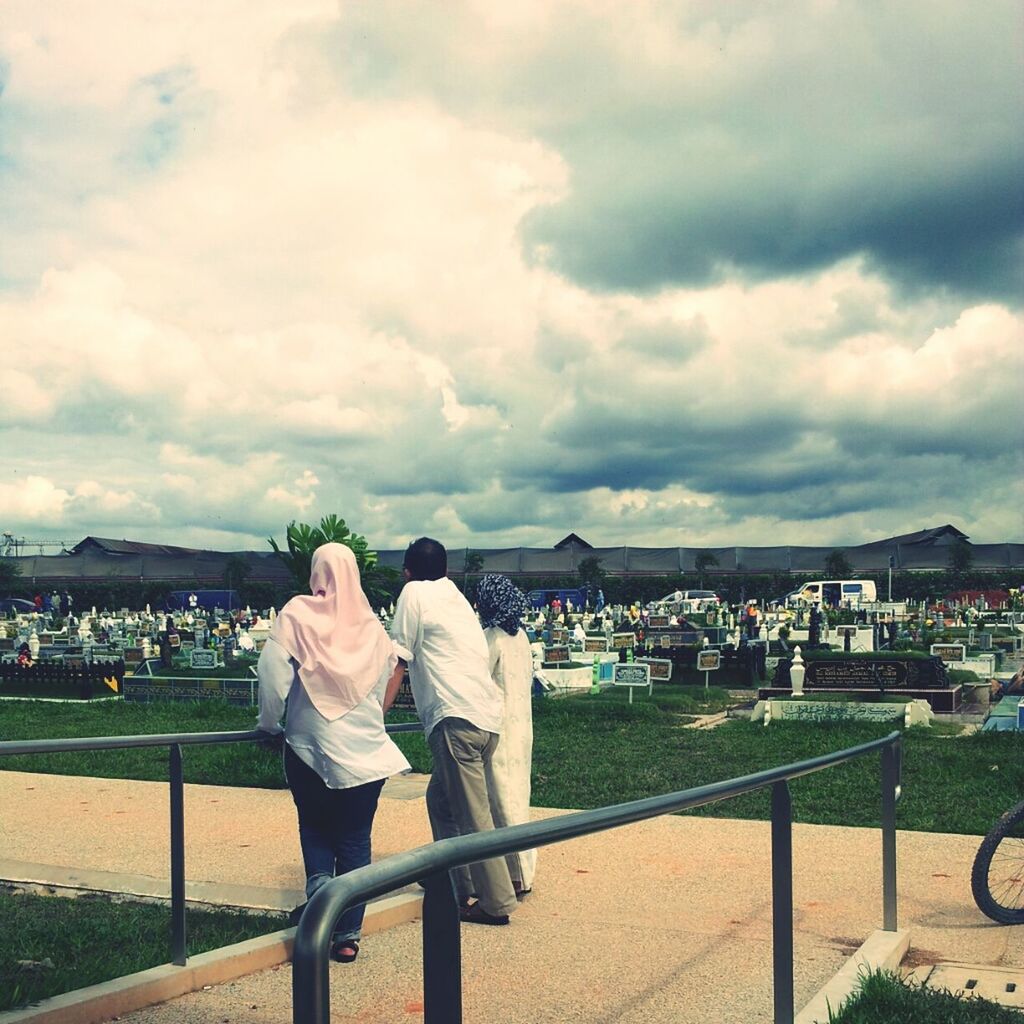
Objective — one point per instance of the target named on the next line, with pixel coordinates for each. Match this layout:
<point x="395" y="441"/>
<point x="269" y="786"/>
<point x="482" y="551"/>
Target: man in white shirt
<point x="437" y="634"/>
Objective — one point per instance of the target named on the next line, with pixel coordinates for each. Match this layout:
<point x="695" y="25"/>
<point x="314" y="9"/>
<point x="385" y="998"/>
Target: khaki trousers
<point x="458" y="804"/>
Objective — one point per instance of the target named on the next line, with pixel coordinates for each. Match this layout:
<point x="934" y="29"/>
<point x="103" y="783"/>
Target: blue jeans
<point x="334" y="831"/>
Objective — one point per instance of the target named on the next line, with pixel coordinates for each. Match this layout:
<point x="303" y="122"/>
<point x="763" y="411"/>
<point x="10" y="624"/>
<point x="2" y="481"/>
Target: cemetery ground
<point x="589" y="751"/>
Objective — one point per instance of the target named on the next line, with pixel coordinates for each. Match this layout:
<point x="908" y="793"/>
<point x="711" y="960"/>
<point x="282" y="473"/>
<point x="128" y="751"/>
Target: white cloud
<point x="258" y="275"/>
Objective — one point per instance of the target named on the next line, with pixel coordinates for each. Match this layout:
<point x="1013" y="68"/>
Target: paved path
<point x="666" y="920"/>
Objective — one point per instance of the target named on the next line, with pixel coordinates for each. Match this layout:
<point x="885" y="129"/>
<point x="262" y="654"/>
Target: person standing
<point x="436" y="632"/>
<point x="331" y="659"/>
<point x="501" y="606"/>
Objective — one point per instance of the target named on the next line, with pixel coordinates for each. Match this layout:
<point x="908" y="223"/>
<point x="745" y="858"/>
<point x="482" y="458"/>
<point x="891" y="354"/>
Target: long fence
<point x="174" y="742"/>
<point x="430" y="865"/>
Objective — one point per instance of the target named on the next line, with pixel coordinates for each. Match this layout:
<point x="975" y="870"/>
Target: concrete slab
<point x="1000" y="985"/>
<point x="883" y="951"/>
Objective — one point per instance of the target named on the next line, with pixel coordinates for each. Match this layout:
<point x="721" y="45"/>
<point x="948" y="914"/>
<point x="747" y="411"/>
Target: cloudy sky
<point x="661" y="273"/>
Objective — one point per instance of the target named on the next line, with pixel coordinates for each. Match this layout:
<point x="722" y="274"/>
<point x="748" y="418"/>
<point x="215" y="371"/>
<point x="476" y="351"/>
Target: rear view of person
<point x="437" y="633"/>
<point x="332" y="660"/>
<point x="501" y="606"/>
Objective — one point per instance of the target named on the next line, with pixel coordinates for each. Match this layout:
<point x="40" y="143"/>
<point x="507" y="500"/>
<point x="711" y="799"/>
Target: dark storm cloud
<point x="756" y="140"/>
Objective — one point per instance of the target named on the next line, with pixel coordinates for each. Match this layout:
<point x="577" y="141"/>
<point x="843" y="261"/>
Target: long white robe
<point x="511" y="663"/>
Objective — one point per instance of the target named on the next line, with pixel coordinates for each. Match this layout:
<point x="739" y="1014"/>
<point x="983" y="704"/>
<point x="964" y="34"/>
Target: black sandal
<point x="339" y="945"/>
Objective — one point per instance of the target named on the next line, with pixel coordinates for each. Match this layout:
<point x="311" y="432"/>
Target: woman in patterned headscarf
<point x="501" y="606"/>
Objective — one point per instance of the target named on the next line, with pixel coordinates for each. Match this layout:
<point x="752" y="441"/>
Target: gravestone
<point x="708" y="661"/>
<point x="661" y="668"/>
<point x="872" y="674"/>
<point x="556" y="655"/>
<point x="595" y="644"/>
<point x="202" y="659"/>
<point x="984" y="641"/>
<point x="949" y="653"/>
<point x="632" y="674"/>
<point x="620" y="641"/>
<point x="659" y="621"/>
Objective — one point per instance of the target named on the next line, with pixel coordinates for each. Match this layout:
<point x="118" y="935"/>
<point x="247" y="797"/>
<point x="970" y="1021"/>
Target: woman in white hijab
<point x="329" y="657"/>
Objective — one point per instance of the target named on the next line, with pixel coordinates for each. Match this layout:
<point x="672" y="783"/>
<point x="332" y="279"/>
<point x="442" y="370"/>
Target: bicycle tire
<point x="999" y="890"/>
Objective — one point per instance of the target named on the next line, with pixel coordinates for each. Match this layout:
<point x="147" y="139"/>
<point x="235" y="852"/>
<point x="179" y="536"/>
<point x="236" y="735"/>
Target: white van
<point x="835" y="593"/>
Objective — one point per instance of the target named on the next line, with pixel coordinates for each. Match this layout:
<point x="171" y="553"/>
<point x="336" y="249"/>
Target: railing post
<point x="782" y="902"/>
<point x="890" y="781"/>
<point x="442" y="952"/>
<point x="177" y="858"/>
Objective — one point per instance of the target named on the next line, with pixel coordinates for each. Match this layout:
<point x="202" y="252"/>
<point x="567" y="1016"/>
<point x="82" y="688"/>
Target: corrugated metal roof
<point x="99" y="558"/>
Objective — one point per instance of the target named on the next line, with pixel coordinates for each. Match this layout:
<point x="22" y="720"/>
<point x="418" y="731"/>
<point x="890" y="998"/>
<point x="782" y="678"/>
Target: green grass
<point x="222" y="764"/>
<point x="884" y="998"/>
<point x="592" y="751"/>
<point x="92" y="939"/>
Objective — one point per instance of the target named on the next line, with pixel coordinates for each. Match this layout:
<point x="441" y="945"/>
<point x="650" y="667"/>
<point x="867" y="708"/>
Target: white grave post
<point x="796" y="673"/>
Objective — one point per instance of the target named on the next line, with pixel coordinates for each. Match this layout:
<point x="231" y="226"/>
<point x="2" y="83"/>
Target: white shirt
<point x="349" y="751"/>
<point x="437" y="632"/>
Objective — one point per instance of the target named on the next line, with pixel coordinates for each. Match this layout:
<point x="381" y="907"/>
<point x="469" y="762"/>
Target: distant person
<point x="38" y="602"/>
<point x="599" y="606"/>
<point x="501" y="605"/>
<point x="330" y="657"/>
<point x="752" y="621"/>
<point x="437" y="634"/>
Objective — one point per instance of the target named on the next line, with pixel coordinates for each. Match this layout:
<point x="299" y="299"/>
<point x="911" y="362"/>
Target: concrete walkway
<point x="666" y="920"/>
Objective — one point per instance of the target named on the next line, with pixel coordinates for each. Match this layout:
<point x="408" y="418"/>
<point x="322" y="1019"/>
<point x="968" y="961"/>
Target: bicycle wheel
<point x="997" y="878"/>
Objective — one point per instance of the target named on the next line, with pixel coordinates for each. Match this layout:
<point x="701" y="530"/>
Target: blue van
<point x="538" y="599"/>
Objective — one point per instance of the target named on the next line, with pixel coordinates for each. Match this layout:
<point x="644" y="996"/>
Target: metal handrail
<point x="431" y="865"/>
<point x="174" y="741"/>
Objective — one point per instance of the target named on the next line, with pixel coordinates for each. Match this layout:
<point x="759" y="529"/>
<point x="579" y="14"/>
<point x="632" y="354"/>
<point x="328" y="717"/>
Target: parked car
<point x="697" y="597"/>
<point x="16" y="604"/>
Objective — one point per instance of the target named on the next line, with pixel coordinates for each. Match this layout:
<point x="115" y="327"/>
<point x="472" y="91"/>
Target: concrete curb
<point x="881" y="951"/>
<point x="123" y="995"/>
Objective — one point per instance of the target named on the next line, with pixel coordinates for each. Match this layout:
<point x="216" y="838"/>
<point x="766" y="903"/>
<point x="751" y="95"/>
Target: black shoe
<point x="475" y="914"/>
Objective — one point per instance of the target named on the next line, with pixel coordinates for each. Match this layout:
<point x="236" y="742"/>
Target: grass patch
<point x="222" y="764"/>
<point x="590" y="751"/>
<point x="93" y="939"/>
<point x="883" y="997"/>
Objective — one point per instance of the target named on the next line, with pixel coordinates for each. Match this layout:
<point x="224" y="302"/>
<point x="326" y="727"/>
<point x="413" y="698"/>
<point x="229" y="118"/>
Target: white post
<point x="796" y="673"/>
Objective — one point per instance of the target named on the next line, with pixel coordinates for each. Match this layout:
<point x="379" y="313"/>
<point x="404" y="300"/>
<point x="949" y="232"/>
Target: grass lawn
<point x="883" y="999"/>
<point x="592" y="751"/>
<point x="92" y="939"/>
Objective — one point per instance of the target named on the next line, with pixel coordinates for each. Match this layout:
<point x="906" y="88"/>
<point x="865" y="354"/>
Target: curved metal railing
<point x="442" y="985"/>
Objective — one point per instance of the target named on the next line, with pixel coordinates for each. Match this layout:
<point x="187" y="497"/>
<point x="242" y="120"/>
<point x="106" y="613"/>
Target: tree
<point x="837" y="565"/>
<point x="961" y="562"/>
<point x="304" y="539"/>
<point x="473" y="563"/>
<point x="592" y="576"/>
<point x="236" y="571"/>
<point x="9" y="572"/>
<point x="705" y="560"/>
